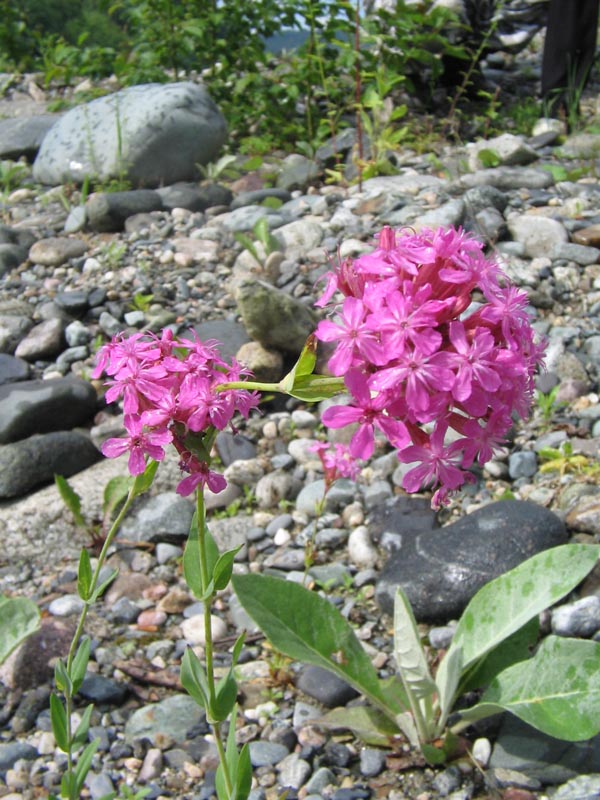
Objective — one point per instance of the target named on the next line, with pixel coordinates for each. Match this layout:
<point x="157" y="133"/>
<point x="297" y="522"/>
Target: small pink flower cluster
<point x="430" y="335"/>
<point x="169" y="395"/>
<point x="337" y="462"/>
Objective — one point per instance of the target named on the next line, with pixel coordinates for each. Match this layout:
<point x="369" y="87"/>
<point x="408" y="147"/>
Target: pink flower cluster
<point x="429" y="336"/>
<point x="169" y="395"/>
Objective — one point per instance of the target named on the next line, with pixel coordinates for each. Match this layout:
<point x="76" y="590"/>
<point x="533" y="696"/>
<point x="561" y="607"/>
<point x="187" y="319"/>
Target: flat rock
<point x="40" y="406"/>
<point x="540" y="236"/>
<point x="13" y="369"/>
<point x="441" y="570"/>
<point x="23" y="136"/>
<point x="508" y="150"/>
<point x="172" y="718"/>
<point x="108" y="211"/>
<point x="193" y="196"/>
<point x="151" y="134"/>
<point x="551" y="761"/>
<point x="43" y="341"/>
<point x="164" y="518"/>
<point x="34" y="461"/>
<point x="56" y="250"/>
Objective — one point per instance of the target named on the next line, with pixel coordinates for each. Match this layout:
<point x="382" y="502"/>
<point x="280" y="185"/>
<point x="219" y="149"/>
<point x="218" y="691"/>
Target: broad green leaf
<point x="306" y="627"/>
<point x="58" y="718"/>
<point x="115" y="493"/>
<point x="19" y="618"/>
<point x="80" y="735"/>
<point x="408" y="650"/>
<point x="193" y="678"/>
<point x="243" y="776"/>
<point x="505" y="604"/>
<point x="517" y="647"/>
<point x="71" y="499"/>
<point x="447" y="679"/>
<point x="80" y="662"/>
<point x="99" y="590"/>
<point x="144" y="481"/>
<point x="223" y="568"/>
<point x="84" y="575"/>
<point x="369" y="724"/>
<point x="557" y="691"/>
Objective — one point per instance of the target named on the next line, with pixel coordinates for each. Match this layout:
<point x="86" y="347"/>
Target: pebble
<point x="579" y="619"/>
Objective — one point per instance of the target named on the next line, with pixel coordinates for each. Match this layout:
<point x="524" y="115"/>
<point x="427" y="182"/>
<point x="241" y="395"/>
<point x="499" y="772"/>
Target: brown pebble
<point x="151" y="619"/>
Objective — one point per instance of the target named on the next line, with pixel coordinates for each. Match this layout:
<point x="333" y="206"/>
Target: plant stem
<point x="208" y="640"/>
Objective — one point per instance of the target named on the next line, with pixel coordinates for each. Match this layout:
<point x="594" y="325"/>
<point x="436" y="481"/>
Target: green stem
<point x="208" y="640"/>
<point x="81" y="623"/>
<point x="251" y="386"/>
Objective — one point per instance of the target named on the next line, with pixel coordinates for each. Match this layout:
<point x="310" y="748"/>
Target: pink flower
<point x="337" y="462"/>
<point x="439" y="464"/>
<point x="140" y="443"/>
<point x="199" y="477"/>
<point x="369" y="413"/>
<point x="356" y="339"/>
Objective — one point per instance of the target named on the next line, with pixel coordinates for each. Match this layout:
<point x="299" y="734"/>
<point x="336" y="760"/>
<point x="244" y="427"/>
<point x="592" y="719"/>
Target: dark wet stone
<point x="194" y="197"/>
<point x="74" y="303"/>
<point x="26" y="464"/>
<point x="234" y="447"/>
<point x="551" y="761"/>
<point x="12" y="369"/>
<point x="14" y="751"/>
<point x="40" y="406"/>
<point x="230" y="335"/>
<point x="441" y="570"/>
<point x="402" y="515"/>
<point x="108" y="211"/>
<point x="103" y="691"/>
<point x="23" y="136"/>
<point x="164" y="518"/>
<point x="31" y="705"/>
<point x="325" y="687"/>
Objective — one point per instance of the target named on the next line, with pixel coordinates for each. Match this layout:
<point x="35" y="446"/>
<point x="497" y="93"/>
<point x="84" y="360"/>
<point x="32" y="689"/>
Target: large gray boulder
<point x="151" y="134"/>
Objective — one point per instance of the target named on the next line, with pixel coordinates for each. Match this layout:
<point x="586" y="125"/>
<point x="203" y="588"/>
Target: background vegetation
<point x="272" y="99"/>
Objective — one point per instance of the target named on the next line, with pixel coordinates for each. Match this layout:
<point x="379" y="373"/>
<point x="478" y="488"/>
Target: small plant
<point x="11" y="175"/>
<point x="219" y="169"/>
<point x="556" y="690"/>
<point x="113" y="253"/>
<point x="141" y="301"/>
<point x="547" y="403"/>
<point x="564" y="460"/>
<point x="263" y="235"/>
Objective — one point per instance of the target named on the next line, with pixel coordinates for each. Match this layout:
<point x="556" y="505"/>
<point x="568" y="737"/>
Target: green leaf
<point x="314" y="388"/>
<point x="191" y="561"/>
<point x="225" y="697"/>
<point x="303" y="366"/>
<point x="80" y="736"/>
<point x="84" y="763"/>
<point x="84" y="575"/>
<point x="71" y="499"/>
<point x="557" y="691"/>
<point x="19" y="618"/>
<point x="505" y="604"/>
<point x="62" y="678"/>
<point x="144" y="481"/>
<point x="193" y="678"/>
<point x="237" y="648"/>
<point x="306" y="627"/>
<point x="224" y="567"/>
<point x="80" y="662"/>
<point x="408" y="650"/>
<point x="243" y="776"/>
<point x="517" y="647"/>
<point x="115" y="493"/>
<point x="369" y="724"/>
<point x="58" y="718"/>
<point x="99" y="590"/>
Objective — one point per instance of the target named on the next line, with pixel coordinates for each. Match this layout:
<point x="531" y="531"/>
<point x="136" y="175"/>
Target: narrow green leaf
<point x="369" y="724"/>
<point x="84" y="575"/>
<point x="304" y="365"/>
<point x="144" y="481"/>
<point x="62" y="679"/>
<point x="557" y="691"/>
<point x="80" y="735"/>
<point x="225" y="698"/>
<point x="306" y="627"/>
<point x="408" y="650"/>
<point x="447" y="680"/>
<point x="231" y="760"/>
<point x="71" y="499"/>
<point x="433" y="755"/>
<point x="84" y="762"/>
<point x="193" y="678"/>
<point x="115" y="493"/>
<point x="19" y="618"/>
<point x="237" y="648"/>
<point x="58" y="718"/>
<point x="505" y="604"/>
<point x="80" y="662"/>
<point x="191" y="562"/>
<point x="224" y="567"/>
<point x="99" y="590"/>
<point x="243" y="775"/>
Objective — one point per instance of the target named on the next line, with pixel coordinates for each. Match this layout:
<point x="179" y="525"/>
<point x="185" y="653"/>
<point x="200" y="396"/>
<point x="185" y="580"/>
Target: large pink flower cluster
<point x="168" y="390"/>
<point x="429" y="336"/>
